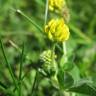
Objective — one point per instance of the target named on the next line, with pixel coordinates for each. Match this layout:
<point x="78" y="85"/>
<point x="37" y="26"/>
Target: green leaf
<point x="84" y="87"/>
<point x="65" y="79"/>
<point x="66" y="66"/>
<point x="75" y="73"/>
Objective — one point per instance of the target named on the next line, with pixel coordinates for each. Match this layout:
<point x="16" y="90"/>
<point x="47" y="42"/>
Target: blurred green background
<point x="16" y="30"/>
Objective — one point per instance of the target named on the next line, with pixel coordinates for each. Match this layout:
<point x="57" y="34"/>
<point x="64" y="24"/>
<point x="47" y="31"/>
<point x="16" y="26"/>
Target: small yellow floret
<point x="57" y="30"/>
<point x="56" y="4"/>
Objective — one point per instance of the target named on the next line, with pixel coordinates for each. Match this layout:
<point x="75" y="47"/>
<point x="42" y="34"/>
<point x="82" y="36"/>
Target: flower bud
<point x="46" y="59"/>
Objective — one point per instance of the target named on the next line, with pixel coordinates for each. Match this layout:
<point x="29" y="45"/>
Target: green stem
<point x="22" y="54"/>
<point x="20" y="74"/>
<point x="46" y="12"/>
<point x="34" y="83"/>
<point x="52" y="56"/>
<point x="9" y="66"/>
<point x="53" y="50"/>
<point x="65" y="60"/>
<point x="65" y="52"/>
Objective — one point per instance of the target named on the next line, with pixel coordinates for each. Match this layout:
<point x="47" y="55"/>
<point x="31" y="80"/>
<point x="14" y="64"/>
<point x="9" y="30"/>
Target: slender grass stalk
<point x="20" y="72"/>
<point x="9" y="66"/>
<point x="34" y="83"/>
<point x="26" y="57"/>
<point x="46" y="12"/>
<point x="21" y="64"/>
<point x="30" y="20"/>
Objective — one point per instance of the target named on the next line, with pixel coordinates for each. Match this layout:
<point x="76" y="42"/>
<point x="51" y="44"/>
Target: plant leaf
<point x="65" y="79"/>
<point x="84" y="88"/>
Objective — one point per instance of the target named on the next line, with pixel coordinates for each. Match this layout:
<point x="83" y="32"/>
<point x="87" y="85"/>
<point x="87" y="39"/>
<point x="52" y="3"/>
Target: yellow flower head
<point x="57" y="30"/>
<point x="56" y="4"/>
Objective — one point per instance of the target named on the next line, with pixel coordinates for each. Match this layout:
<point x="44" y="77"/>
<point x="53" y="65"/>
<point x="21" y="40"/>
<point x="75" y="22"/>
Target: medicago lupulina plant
<point x="57" y="31"/>
<point x="54" y="62"/>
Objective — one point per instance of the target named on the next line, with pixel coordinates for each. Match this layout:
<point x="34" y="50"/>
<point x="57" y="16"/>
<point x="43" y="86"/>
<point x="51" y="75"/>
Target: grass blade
<point x="29" y="19"/>
<point x="20" y="71"/>
<point x="9" y="66"/>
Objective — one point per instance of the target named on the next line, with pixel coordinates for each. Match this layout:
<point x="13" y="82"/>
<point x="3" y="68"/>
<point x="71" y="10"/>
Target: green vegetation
<point x="25" y="67"/>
